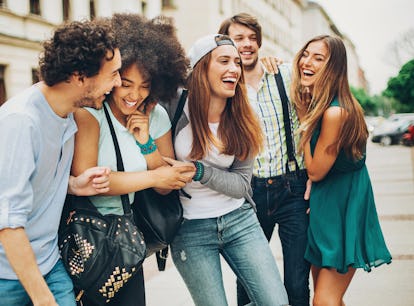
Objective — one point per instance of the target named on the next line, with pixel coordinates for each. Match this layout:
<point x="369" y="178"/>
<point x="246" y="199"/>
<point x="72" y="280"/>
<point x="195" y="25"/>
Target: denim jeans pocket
<point x="296" y="185"/>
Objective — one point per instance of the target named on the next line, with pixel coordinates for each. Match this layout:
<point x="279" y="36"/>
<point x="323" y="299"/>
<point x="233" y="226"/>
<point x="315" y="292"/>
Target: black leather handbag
<point x="160" y="216"/>
<point x="100" y="252"/>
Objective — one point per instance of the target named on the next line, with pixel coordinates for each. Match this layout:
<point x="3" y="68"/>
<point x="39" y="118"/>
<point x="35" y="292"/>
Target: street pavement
<point x="392" y="174"/>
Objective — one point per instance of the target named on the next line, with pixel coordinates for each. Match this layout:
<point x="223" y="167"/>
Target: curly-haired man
<point x="78" y="66"/>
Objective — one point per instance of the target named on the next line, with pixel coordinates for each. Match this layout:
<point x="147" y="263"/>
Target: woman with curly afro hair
<point x="154" y="66"/>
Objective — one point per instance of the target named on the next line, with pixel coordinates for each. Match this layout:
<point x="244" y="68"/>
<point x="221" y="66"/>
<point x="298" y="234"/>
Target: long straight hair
<point x="331" y="83"/>
<point x="239" y="132"/>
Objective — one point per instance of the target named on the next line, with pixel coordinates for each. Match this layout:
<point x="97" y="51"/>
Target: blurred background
<point x="379" y="37"/>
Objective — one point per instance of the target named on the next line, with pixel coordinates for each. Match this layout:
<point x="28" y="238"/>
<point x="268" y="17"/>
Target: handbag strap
<point x="178" y="111"/>
<point x="286" y="119"/>
<point x="119" y="164"/>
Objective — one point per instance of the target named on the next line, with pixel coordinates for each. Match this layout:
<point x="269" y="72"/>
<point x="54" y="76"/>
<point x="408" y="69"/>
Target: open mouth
<point x="230" y="80"/>
<point x="130" y="103"/>
<point x="307" y="72"/>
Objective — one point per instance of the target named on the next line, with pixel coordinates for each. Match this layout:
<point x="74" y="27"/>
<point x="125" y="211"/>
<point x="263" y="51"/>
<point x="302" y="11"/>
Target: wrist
<point x="148" y="147"/>
<point x="72" y="185"/>
<point x="199" y="171"/>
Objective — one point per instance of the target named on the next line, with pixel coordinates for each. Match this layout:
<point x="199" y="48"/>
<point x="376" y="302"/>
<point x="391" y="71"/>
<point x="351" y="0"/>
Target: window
<point x="167" y="4"/>
<point x="66" y="9"/>
<point x="2" y="85"/>
<point x="92" y="9"/>
<point x="35" y="7"/>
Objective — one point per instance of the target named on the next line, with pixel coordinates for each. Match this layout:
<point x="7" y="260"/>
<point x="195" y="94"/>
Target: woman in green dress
<point x="344" y="232"/>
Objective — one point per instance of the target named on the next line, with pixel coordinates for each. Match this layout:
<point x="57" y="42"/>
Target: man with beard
<point x="278" y="190"/>
<point x="78" y="66"/>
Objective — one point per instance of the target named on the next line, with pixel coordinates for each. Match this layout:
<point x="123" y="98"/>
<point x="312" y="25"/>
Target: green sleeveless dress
<point x="344" y="229"/>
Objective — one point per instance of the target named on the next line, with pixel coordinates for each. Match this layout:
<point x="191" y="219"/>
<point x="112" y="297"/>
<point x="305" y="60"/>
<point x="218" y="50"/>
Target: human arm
<point x="233" y="182"/>
<point x="22" y="259"/>
<point x="86" y="156"/>
<point x="17" y="166"/>
<point x="322" y="160"/>
<point x="271" y="63"/>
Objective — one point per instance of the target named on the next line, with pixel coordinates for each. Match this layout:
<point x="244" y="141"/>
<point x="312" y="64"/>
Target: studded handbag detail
<point x="100" y="252"/>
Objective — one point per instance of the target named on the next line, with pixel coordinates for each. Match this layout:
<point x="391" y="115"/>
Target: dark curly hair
<point x="78" y="46"/>
<point x="154" y="47"/>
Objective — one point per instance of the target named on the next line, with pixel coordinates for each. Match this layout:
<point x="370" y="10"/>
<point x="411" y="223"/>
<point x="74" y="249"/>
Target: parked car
<point x="391" y="130"/>
<point x="373" y="121"/>
<point x="408" y="138"/>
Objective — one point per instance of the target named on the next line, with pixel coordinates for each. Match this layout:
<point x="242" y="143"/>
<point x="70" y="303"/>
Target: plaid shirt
<point x="266" y="102"/>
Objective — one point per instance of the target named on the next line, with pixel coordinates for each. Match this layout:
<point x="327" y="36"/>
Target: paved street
<point x="392" y="174"/>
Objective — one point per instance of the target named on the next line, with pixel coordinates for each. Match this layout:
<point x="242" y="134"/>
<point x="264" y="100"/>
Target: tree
<point x="366" y="101"/>
<point x="401" y="88"/>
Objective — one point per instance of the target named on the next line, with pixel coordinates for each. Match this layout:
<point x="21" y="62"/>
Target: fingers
<point x="273" y="63"/>
<point x="101" y="182"/>
<point x="138" y="124"/>
<point x="96" y="172"/>
<point x="169" y="160"/>
<point x="306" y="196"/>
<point x="270" y="63"/>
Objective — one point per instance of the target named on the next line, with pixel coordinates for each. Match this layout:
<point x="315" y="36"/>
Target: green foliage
<point x="366" y="101"/>
<point x="401" y="89"/>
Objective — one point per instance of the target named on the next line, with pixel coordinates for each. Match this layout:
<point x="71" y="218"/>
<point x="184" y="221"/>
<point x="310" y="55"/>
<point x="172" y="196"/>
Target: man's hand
<point x="92" y="181"/>
<point x="271" y="63"/>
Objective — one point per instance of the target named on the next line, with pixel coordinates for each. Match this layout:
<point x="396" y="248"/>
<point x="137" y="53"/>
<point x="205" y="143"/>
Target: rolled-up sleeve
<point x="17" y="164"/>
<point x="233" y="182"/>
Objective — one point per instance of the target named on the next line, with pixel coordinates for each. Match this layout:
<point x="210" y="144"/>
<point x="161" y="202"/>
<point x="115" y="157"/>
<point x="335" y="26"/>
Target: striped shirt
<point x="271" y="161"/>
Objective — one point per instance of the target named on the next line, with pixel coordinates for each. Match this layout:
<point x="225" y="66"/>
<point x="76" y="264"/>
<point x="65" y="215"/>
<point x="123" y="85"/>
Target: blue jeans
<point x="237" y="236"/>
<point x="12" y="292"/>
<point x="280" y="200"/>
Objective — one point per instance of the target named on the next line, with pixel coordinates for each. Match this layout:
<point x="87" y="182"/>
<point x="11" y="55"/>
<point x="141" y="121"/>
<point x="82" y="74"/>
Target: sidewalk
<point x="392" y="173"/>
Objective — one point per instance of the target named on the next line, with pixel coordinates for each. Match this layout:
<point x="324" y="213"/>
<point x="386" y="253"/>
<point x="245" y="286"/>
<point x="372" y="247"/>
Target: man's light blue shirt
<point x="35" y="158"/>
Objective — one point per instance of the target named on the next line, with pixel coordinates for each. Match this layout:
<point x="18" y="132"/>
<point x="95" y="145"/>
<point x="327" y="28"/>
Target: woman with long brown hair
<point x="219" y="132"/>
<point x="344" y="232"/>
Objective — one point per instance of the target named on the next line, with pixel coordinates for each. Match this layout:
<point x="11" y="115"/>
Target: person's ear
<point x="77" y="78"/>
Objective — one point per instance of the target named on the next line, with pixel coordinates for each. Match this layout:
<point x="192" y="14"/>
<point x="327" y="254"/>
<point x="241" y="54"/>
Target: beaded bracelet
<point x="199" y="171"/>
<point x="148" y="147"/>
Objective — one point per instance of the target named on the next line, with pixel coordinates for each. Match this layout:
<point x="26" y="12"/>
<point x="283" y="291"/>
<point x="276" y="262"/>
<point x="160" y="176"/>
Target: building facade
<point x="286" y="24"/>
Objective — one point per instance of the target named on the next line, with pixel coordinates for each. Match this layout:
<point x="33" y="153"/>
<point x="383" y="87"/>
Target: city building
<point x="287" y="24"/>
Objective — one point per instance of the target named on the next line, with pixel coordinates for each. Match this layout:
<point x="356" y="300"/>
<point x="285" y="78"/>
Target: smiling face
<point x="97" y="86"/>
<point x="313" y="58"/>
<point x="224" y="71"/>
<point x="134" y="89"/>
<point x="246" y="41"/>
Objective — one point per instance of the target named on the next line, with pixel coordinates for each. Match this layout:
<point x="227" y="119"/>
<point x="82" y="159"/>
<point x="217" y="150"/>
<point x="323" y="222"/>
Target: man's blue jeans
<point x="237" y="236"/>
<point x="12" y="292"/>
<point x="280" y="200"/>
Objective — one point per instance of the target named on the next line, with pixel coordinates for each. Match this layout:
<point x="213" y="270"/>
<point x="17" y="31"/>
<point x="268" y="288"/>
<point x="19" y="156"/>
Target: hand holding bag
<point x="100" y="252"/>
